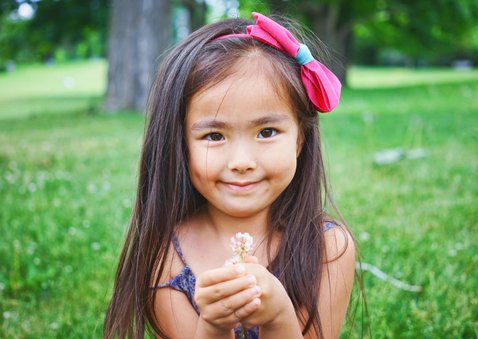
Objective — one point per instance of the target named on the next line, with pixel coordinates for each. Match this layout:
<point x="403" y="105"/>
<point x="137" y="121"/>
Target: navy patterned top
<point x="185" y="282"/>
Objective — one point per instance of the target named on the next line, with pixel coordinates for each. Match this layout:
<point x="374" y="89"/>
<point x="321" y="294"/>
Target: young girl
<point x="232" y="145"/>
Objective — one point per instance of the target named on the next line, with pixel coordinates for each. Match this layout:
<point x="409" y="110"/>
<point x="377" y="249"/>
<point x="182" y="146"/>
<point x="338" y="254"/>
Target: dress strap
<point x="328" y="225"/>
<point x="178" y="249"/>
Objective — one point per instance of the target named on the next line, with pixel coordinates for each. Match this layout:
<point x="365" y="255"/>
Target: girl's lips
<point x="241" y="186"/>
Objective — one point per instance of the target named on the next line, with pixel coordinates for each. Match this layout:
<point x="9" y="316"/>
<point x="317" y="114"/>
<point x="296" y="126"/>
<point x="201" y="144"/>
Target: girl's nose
<point x="241" y="160"/>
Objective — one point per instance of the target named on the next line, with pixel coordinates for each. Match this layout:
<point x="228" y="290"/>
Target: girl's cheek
<point x="281" y="167"/>
<point x="285" y="155"/>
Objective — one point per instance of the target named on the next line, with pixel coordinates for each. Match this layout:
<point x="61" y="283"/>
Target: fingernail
<point x="240" y="269"/>
<point x="256" y="302"/>
<point x="255" y="290"/>
<point x="251" y="279"/>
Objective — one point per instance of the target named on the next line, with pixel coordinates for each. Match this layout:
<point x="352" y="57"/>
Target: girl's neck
<point x="225" y="226"/>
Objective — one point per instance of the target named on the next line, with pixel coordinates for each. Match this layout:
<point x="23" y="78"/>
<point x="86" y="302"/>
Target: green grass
<point x="365" y="77"/>
<point x="67" y="182"/>
<point x="38" y="90"/>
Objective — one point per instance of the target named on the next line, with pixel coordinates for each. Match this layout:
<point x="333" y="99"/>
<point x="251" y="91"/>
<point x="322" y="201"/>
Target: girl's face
<point x="243" y="141"/>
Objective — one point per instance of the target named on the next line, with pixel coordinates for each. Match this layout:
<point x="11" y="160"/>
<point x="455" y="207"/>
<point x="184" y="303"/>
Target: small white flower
<point x="95" y="246"/>
<point x="32" y="187"/>
<point x="31" y="248"/>
<point x="127" y="203"/>
<point x="364" y="236"/>
<point x="241" y="244"/>
<point x="106" y="186"/>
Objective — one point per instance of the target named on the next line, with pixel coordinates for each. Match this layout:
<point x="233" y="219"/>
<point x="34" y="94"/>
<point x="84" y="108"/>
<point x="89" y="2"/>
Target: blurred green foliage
<point x="58" y="31"/>
<point x="414" y="32"/>
<point x="434" y="32"/>
<point x="384" y="32"/>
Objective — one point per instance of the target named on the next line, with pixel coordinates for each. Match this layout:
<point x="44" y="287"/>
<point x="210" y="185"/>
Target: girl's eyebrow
<point x="269" y="119"/>
<point x="217" y="124"/>
<point x="208" y="124"/>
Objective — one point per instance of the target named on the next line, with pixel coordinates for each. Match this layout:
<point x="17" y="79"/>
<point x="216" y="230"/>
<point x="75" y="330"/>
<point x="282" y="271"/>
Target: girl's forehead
<point x="250" y="81"/>
<point x="242" y="93"/>
<point x="253" y="65"/>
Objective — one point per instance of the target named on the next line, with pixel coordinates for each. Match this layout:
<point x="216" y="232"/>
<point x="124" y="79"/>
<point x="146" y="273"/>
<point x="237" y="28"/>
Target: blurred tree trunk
<point x="140" y="31"/>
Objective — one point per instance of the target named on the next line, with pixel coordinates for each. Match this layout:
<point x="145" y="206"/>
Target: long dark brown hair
<point x="166" y="197"/>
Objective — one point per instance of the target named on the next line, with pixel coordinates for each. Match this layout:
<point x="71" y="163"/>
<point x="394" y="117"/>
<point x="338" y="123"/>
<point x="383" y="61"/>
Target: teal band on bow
<point x="303" y="55"/>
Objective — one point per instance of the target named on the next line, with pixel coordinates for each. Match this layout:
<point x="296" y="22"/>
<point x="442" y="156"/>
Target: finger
<point x="237" y="306"/>
<point x="214" y="293"/>
<point x="243" y="312"/>
<point x="218" y="275"/>
<point x="250" y="259"/>
<point x="238" y="300"/>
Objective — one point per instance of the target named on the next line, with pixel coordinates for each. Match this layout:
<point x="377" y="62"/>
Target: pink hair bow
<point x="322" y="86"/>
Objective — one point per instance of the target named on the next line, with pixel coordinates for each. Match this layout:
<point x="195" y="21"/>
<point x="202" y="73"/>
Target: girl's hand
<point x="275" y="305"/>
<point x="225" y="296"/>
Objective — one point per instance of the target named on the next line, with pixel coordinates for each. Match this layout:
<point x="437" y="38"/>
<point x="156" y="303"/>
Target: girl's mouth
<point x="241" y="186"/>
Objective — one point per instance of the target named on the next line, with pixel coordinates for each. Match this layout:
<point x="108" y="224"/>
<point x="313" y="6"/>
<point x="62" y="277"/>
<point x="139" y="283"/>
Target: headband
<point x="322" y="86"/>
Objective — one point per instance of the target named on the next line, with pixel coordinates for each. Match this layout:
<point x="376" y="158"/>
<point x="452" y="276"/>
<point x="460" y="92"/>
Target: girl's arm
<point x="174" y="313"/>
<point x="336" y="283"/>
<point x="284" y="325"/>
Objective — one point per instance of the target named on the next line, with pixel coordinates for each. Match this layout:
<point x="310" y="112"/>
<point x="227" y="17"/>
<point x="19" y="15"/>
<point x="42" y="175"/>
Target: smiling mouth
<point x="241" y="186"/>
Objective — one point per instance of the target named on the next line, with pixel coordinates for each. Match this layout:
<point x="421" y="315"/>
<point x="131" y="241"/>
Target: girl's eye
<point x="267" y="133"/>
<point x="214" y="137"/>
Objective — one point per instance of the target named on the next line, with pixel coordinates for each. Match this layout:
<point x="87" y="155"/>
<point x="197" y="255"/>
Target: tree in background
<point x="140" y="31"/>
<point x="136" y="33"/>
<point x="414" y="27"/>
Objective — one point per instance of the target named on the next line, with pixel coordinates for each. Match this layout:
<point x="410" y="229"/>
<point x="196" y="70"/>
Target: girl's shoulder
<point x="339" y="241"/>
<point x="175" y="261"/>
<point x="173" y="265"/>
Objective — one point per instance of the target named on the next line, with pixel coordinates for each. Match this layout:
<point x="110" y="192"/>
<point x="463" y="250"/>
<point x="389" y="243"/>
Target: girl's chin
<point x="241" y="212"/>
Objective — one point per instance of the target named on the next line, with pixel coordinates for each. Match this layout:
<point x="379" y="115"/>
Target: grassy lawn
<point x="67" y="184"/>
